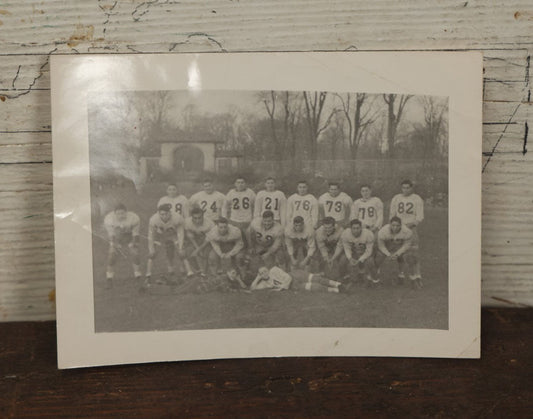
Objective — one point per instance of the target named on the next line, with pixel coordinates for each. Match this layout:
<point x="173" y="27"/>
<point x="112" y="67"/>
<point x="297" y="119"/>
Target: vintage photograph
<point x="221" y="209"/>
<point x="213" y="206"/>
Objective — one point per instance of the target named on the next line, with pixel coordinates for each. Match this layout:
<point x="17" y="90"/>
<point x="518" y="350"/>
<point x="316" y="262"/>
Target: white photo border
<point x="457" y="75"/>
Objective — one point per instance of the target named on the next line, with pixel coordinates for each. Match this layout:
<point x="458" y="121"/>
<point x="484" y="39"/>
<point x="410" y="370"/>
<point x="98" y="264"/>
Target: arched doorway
<point x="188" y="160"/>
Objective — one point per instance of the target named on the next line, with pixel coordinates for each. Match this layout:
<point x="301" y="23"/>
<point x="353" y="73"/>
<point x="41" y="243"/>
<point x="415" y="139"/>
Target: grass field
<point x="123" y="308"/>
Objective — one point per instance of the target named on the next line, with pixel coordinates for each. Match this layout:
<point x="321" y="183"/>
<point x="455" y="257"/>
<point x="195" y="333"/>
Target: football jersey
<point x="211" y="204"/>
<point x="328" y="242"/>
<point x="199" y="231"/>
<point x="240" y="205"/>
<point x="180" y="204"/>
<point x="369" y="212"/>
<point x="263" y="237"/>
<point x="270" y="201"/>
<point x="410" y="209"/>
<point x="397" y="240"/>
<point x="305" y="238"/>
<point x="336" y="207"/>
<point x="277" y="279"/>
<point x="305" y="206"/>
<point x="164" y="231"/>
<point x="361" y="245"/>
<point x="233" y="235"/>
<point x="119" y="228"/>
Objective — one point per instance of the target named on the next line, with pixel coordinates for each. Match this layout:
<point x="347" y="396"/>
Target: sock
<point x="330" y="289"/>
<point x="333" y="283"/>
<point x="136" y="270"/>
<point x="109" y="274"/>
<point x="188" y="267"/>
<point x="149" y="267"/>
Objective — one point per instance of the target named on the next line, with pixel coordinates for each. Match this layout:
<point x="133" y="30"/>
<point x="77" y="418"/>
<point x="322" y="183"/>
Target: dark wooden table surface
<point x="498" y="385"/>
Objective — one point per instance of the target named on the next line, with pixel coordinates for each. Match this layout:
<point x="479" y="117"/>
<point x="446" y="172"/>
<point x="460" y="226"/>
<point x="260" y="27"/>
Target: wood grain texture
<point x="31" y="31"/>
<point x="497" y="385"/>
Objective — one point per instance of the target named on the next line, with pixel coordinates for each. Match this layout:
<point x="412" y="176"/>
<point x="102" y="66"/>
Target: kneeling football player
<point x="395" y="243"/>
<point x="122" y="228"/>
<point x="300" y="243"/>
<point x="196" y="244"/>
<point x="358" y="244"/>
<point x="329" y="247"/>
<point x="266" y="241"/>
<point x="165" y="229"/>
<point x="226" y="247"/>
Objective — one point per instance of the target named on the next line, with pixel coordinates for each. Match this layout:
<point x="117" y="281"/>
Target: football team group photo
<point x="238" y="209"/>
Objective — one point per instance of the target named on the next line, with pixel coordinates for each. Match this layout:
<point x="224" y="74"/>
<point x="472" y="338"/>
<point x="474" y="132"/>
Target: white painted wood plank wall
<point x="32" y="30"/>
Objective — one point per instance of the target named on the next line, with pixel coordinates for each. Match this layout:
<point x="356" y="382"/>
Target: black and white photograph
<point x="256" y="205"/>
<point x="258" y="209"/>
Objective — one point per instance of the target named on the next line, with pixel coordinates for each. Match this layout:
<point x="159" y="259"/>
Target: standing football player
<point x="358" y="244"/>
<point x="300" y="243"/>
<point x="409" y="208"/>
<point x="178" y="202"/>
<point x="394" y="243"/>
<point x="271" y="199"/>
<point x="210" y="201"/>
<point x="196" y="245"/>
<point x="122" y="228"/>
<point x="304" y="204"/>
<point x="165" y="229"/>
<point x="226" y="247"/>
<point x="329" y="248"/>
<point x="368" y="209"/>
<point x="239" y="207"/>
<point x="266" y="240"/>
<point x="335" y="204"/>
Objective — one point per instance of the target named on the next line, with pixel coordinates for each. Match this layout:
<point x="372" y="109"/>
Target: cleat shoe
<point x="108" y="284"/>
<point x="418" y="283"/>
<point x="401" y="279"/>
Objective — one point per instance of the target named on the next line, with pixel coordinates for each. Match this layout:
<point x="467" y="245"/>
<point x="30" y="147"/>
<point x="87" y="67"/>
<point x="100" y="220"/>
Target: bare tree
<point x="435" y="128"/>
<point x="291" y="116"/>
<point x="269" y="100"/>
<point x="316" y="124"/>
<point x="358" y="118"/>
<point x="395" y="107"/>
